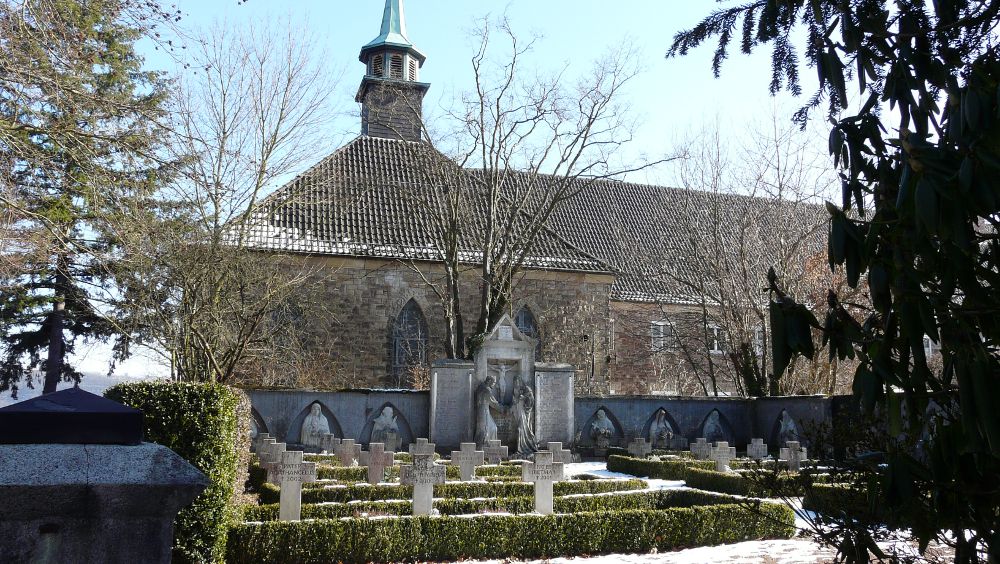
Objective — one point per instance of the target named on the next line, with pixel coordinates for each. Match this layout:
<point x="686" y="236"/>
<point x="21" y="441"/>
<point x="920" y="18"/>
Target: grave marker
<point x="495" y="452"/>
<point x="722" y="454"/>
<point x="467" y="458"/>
<point x="272" y="457"/>
<point x="640" y="448"/>
<point x="421" y="447"/>
<point x="422" y="475"/>
<point x="677" y="442"/>
<point x="347" y="452"/>
<point x="291" y="472"/>
<point x="701" y="449"/>
<point x="794" y="454"/>
<point x="543" y="472"/>
<point x="560" y="454"/>
<point x="377" y="459"/>
<point x="757" y="449"/>
<point x="328" y="443"/>
<point x="258" y="441"/>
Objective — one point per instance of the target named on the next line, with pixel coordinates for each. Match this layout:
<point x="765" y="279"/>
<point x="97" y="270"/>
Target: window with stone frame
<point x="396" y="66"/>
<point x="408" y="343"/>
<point x="526" y="324"/>
<point x="716" y="340"/>
<point x="661" y="333"/>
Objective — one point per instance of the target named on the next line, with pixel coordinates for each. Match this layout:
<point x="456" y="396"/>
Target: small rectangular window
<point x="716" y="340"/>
<point x="662" y="334"/>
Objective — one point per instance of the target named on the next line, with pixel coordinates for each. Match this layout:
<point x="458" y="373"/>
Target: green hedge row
<point x="331" y="460"/>
<point x="839" y="500"/>
<point x="201" y="423"/>
<point x="663" y="469"/>
<point x="504" y="536"/>
<point x="661" y="499"/>
<point x="360" y="473"/>
<point x="269" y="493"/>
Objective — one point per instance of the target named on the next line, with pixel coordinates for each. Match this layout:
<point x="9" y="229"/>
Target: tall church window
<point x="396" y="67"/>
<point x="408" y="344"/>
<point x="378" y="62"/>
<point x="527" y="325"/>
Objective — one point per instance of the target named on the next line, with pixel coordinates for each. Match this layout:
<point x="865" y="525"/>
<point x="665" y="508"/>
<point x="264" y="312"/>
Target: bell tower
<point x="391" y="94"/>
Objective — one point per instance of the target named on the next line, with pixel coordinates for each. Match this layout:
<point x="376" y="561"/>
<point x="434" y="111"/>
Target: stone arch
<point x="618" y="436"/>
<point x="776" y="438"/>
<point x="294" y="433"/>
<point x="405" y="431"/>
<point x="409" y="342"/>
<point x="528" y="324"/>
<point x="725" y="432"/>
<point x="256" y="423"/>
<point x="674" y="428"/>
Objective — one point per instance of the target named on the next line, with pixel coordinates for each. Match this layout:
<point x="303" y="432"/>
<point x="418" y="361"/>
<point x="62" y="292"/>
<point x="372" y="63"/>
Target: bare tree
<point x="252" y="110"/>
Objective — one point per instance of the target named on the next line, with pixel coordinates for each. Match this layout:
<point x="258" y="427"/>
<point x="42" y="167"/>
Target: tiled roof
<point x="362" y="200"/>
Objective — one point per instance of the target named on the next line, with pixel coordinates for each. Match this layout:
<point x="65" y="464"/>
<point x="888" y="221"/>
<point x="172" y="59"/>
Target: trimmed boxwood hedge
<point x="663" y="469"/>
<point x="269" y="493"/>
<point x="201" y="423"/>
<point x="661" y="499"/>
<point x="503" y="536"/>
<point x="701" y="474"/>
<point x="332" y="460"/>
<point x="356" y="474"/>
<point x="840" y="499"/>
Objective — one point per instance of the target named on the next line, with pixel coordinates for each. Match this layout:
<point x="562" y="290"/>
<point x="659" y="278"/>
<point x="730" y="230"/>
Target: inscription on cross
<point x="543" y="472"/>
<point x="495" y="452"/>
<point x="347" y="452"/>
<point x="422" y="475"/>
<point x="794" y="455"/>
<point x="757" y="449"/>
<point x="467" y="458"/>
<point x="272" y="457"/>
<point x="640" y="447"/>
<point x="722" y="454"/>
<point x="291" y="473"/>
<point x="701" y="448"/>
<point x="421" y="447"/>
<point x="560" y="454"/>
<point x="377" y="459"/>
<point x="328" y="443"/>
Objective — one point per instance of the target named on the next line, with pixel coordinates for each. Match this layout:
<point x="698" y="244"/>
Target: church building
<point x="592" y="292"/>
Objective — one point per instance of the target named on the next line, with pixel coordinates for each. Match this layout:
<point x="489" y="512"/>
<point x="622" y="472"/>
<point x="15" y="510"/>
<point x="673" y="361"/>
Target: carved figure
<point x="524" y="405"/>
<point x="787" y="431"/>
<point x="602" y="427"/>
<point x="314" y="426"/>
<point x="712" y="429"/>
<point x="660" y="432"/>
<point x="382" y="425"/>
<point x="486" y="427"/>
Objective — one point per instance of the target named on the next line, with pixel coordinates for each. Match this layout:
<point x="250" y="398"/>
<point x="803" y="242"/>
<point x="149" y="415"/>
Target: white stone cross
<point x="678" y="442"/>
<point x="422" y="475"/>
<point x="495" y="452"/>
<point x="328" y="443"/>
<point x="347" y="452"/>
<point x="701" y="448"/>
<point x="467" y="458"/>
<point x="291" y="472"/>
<point x="559" y="454"/>
<point x="722" y="454"/>
<point x="543" y="472"/>
<point x="757" y="449"/>
<point x="376" y="459"/>
<point x="794" y="454"/>
<point x="258" y="441"/>
<point x="640" y="447"/>
<point x="271" y="458"/>
<point x="421" y="447"/>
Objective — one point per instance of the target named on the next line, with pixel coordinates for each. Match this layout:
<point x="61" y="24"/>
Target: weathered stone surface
<point x="291" y="473"/>
<point x="640" y="447"/>
<point x="757" y="449"/>
<point x="467" y="458"/>
<point x="559" y="454"/>
<point x="701" y="449"/>
<point x="495" y="452"/>
<point x="92" y="503"/>
<point x="452" y="414"/>
<point x="422" y="475"/>
<point x="556" y="403"/>
<point x="722" y="453"/>
<point x="794" y="455"/>
<point x="543" y="472"/>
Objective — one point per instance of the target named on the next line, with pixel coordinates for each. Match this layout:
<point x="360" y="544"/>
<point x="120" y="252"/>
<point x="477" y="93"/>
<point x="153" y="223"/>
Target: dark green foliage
<point x="917" y="223"/>
<point x="497" y="536"/>
<point x="360" y="473"/>
<point x="201" y="423"/>
<point x="662" y="469"/>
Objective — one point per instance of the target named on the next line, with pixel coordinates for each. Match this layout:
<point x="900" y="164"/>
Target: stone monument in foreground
<point x="502" y="395"/>
<point x="79" y="485"/>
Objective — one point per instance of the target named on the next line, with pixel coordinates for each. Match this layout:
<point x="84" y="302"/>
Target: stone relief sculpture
<point x="524" y="405"/>
<point x="384" y="427"/>
<point x="314" y="426"/>
<point x="486" y="401"/>
<point x="788" y="430"/>
<point x="712" y="429"/>
<point x="602" y="429"/>
<point x="660" y="431"/>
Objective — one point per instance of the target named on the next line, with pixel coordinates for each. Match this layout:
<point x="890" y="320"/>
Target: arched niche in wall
<point x="716" y="427"/>
<point x="256" y="423"/>
<point x="662" y="419"/>
<point x="784" y="429"/>
<point x="294" y="433"/>
<point x="610" y="422"/>
<point x="402" y="425"/>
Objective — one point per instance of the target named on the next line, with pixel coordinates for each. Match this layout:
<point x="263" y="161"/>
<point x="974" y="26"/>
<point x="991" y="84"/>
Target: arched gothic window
<point x="526" y="324"/>
<point x="408" y="343"/>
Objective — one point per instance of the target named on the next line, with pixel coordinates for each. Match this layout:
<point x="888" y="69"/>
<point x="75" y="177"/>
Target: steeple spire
<point x="392" y="34"/>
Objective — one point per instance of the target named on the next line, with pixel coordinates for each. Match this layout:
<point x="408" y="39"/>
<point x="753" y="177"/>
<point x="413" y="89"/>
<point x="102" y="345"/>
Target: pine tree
<point x="78" y="147"/>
